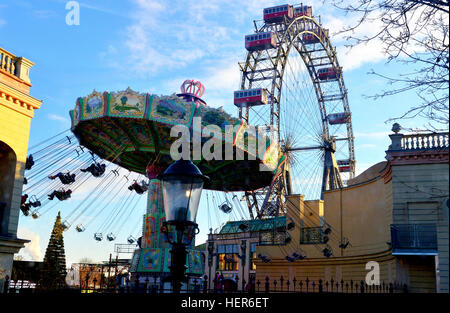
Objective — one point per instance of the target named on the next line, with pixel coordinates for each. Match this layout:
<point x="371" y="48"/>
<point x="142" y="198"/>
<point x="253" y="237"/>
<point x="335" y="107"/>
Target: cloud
<point x="158" y="40"/>
<point x="91" y="185"/>
<point x="32" y="250"/>
<point x="45" y="14"/>
<point x="352" y="58"/>
<point x="150" y="5"/>
<point x="58" y="118"/>
<point x="2" y="21"/>
<point x="366" y="146"/>
<point x="225" y="78"/>
<point x="372" y="135"/>
<point x="361" y="167"/>
<point x="373" y="27"/>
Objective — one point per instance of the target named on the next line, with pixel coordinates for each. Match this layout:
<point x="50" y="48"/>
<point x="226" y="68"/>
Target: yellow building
<point x="16" y="111"/>
<point x="395" y="213"/>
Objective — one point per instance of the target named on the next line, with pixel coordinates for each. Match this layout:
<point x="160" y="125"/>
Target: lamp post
<point x="182" y="185"/>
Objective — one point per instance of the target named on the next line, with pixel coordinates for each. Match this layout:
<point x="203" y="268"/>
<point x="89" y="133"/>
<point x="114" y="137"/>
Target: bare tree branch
<point x="414" y="32"/>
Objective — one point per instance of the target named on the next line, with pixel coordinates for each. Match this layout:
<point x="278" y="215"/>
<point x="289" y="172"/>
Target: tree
<point x="53" y="275"/>
<point x="414" y="32"/>
<point x="85" y="260"/>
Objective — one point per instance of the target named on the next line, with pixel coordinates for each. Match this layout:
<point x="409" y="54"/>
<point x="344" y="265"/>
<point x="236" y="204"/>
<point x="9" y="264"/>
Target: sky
<point x="153" y="46"/>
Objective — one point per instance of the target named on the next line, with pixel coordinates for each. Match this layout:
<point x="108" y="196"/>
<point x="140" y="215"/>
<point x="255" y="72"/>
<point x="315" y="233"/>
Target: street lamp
<point x="182" y="185"/>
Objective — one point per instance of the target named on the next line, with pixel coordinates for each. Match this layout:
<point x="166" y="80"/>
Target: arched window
<point x="8" y="163"/>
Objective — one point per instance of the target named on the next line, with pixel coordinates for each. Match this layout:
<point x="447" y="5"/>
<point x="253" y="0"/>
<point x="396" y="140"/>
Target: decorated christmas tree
<point x="53" y="273"/>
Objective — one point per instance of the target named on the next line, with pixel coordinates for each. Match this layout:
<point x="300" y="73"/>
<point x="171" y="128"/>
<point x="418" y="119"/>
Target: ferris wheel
<point x="292" y="84"/>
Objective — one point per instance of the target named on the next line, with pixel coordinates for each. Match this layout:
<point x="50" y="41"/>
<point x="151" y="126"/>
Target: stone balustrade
<point x="412" y="142"/>
<point x="7" y="61"/>
<point x="424" y="141"/>
<point x="16" y="66"/>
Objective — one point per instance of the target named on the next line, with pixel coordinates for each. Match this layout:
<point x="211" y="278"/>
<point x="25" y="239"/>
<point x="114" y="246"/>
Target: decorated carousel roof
<point x="132" y="129"/>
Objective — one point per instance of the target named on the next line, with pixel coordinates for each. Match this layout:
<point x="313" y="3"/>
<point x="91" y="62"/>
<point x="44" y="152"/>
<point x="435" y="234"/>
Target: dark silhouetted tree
<point x="53" y="275"/>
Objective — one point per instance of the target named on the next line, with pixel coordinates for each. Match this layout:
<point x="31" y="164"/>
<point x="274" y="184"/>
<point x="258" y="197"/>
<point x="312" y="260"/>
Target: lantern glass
<point x="181" y="196"/>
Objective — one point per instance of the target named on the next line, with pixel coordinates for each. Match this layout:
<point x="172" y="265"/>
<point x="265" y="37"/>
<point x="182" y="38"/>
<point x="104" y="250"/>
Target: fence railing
<point x="279" y="285"/>
<point x="272" y="237"/>
<point x="268" y="286"/>
<point x="424" y="141"/>
<point x="311" y="235"/>
<point x="413" y="236"/>
<point x="327" y="286"/>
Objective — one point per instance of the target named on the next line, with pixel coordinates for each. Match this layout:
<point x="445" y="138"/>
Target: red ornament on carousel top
<point x="192" y="90"/>
<point x="153" y="170"/>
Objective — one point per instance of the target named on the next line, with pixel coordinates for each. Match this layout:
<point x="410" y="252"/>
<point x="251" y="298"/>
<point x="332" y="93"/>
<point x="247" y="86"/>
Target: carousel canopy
<point x="133" y="129"/>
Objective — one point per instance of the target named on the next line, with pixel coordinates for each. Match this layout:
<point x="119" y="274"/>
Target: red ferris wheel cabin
<point x="250" y="97"/>
<point x="276" y="14"/>
<point x="260" y="41"/>
<point x="303" y="10"/>
<point x="339" y="118"/>
<point x="329" y="73"/>
<point x="309" y="38"/>
<point x="344" y="166"/>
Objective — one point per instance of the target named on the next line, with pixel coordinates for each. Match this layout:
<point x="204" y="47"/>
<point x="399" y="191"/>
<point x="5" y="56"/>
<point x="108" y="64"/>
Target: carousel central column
<point x="150" y="260"/>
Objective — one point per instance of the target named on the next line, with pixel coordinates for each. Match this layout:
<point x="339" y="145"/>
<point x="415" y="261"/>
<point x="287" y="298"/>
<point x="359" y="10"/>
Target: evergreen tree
<point x="53" y="275"/>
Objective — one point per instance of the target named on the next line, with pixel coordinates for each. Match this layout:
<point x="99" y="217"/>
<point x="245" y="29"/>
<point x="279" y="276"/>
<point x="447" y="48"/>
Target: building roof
<point x="254" y="225"/>
<point x="369" y="174"/>
<point x="201" y="247"/>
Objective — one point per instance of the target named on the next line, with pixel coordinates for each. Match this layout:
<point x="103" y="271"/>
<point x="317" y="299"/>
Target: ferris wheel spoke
<point x="307" y="175"/>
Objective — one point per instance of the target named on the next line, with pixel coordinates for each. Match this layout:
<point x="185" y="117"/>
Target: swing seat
<point x="344" y="243"/>
<point x="65" y="225"/>
<point x="131" y="240"/>
<point x="110" y="237"/>
<point x="288" y="258"/>
<point x="327" y="252"/>
<point x="225" y="208"/>
<point x="98" y="236"/>
<point x="80" y="228"/>
<point x="35" y="214"/>
<point x="291" y="226"/>
<point x="33" y="198"/>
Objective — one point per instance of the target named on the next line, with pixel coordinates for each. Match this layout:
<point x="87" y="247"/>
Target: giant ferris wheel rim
<point x="266" y="67"/>
<point x="331" y="53"/>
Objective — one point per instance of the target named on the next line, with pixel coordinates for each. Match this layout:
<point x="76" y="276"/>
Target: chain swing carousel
<point x="292" y="87"/>
<point x="123" y="139"/>
<point x="132" y="130"/>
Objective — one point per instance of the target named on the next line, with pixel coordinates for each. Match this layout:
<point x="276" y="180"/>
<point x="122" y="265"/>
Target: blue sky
<point x="153" y="46"/>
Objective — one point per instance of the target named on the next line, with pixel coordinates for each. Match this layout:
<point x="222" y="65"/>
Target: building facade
<point x="387" y="229"/>
<point x="16" y="111"/>
<point x="395" y="214"/>
<point x="231" y="252"/>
